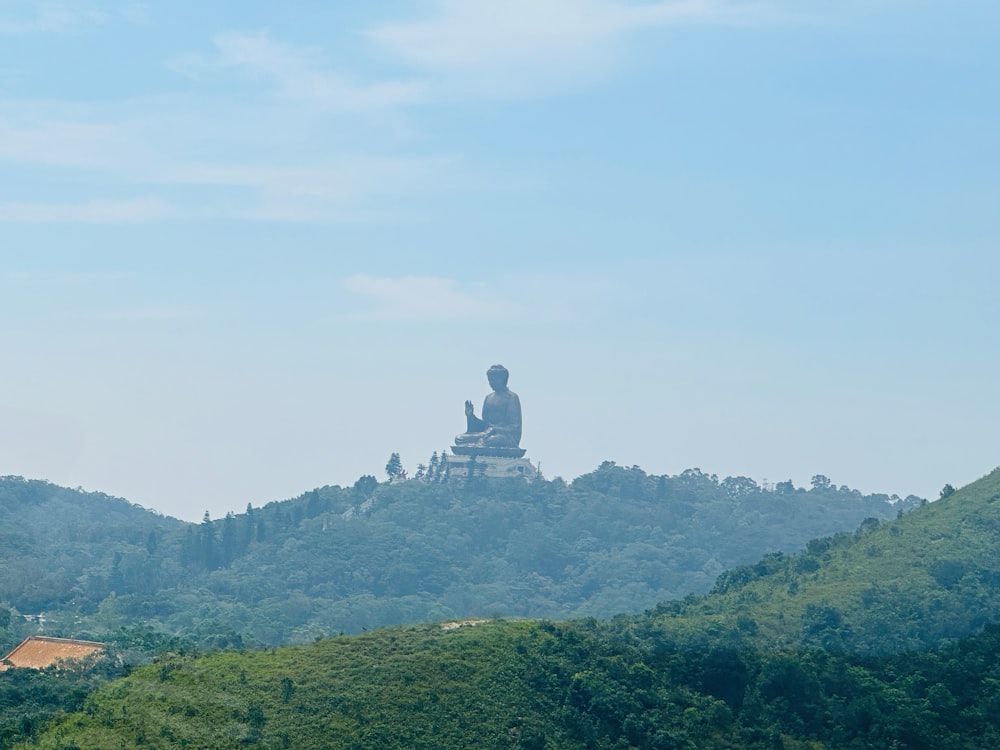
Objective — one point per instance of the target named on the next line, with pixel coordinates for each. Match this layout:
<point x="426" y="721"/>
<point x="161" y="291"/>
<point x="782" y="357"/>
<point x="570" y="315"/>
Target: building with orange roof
<point x="39" y="652"/>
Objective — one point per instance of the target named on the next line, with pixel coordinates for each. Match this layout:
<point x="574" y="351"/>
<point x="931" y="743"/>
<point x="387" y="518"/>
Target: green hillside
<point x="346" y="559"/>
<point x="931" y="576"/>
<point x="544" y="686"/>
<point x="792" y="653"/>
<point x="63" y="551"/>
<point x="53" y="540"/>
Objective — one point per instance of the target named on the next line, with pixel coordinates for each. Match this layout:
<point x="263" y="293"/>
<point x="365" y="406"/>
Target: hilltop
<point x="336" y="559"/>
<point x="62" y="551"/>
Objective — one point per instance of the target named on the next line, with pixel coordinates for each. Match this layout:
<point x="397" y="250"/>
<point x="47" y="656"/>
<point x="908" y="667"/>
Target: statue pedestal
<point x="486" y="462"/>
<point x="476" y="451"/>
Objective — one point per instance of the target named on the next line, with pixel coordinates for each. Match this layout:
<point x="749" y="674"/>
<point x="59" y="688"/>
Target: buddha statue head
<point x="498" y="377"/>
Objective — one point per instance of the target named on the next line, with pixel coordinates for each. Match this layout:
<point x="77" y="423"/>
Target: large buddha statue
<point x="499" y="429"/>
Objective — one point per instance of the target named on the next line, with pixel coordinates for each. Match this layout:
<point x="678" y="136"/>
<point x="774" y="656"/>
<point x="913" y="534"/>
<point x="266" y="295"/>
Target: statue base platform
<point x="489" y="463"/>
<point x="472" y="450"/>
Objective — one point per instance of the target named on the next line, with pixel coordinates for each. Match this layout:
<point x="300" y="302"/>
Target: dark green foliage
<point x="553" y="686"/>
<point x="31" y="699"/>
<point x="394" y="469"/>
<point x="494" y="685"/>
<point x="615" y="540"/>
<point x="365" y="486"/>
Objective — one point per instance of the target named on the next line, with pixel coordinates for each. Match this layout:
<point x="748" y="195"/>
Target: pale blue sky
<point x="251" y="248"/>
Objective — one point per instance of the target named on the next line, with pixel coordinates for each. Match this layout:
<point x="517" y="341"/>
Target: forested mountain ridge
<point x="343" y="559"/>
<point x="47" y="531"/>
<point x="750" y="666"/>
<point x="920" y="581"/>
<point x="64" y="551"/>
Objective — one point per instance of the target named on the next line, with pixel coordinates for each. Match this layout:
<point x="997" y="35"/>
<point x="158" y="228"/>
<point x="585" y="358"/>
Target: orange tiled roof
<point x="38" y="652"/>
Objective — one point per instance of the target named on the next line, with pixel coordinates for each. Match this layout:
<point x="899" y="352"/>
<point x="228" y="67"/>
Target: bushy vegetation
<point x="795" y="652"/>
<point x="927" y="578"/>
<point x="30" y="699"/>
<point x="547" y="686"/>
<point x="345" y="559"/>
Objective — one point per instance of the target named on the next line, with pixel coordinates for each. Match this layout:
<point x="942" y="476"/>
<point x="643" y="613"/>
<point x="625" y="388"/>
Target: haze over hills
<point x="795" y="652"/>
<point x="614" y="541"/>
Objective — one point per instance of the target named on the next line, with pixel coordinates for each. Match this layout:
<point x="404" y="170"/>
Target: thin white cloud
<point x="62" y="143"/>
<point x="330" y="192"/>
<point x="525" y="45"/>
<point x="128" y="211"/>
<point x="158" y="143"/>
<point x="348" y="178"/>
<point x="153" y="145"/>
<point x="23" y="18"/>
<point x="298" y="73"/>
<point x="425" y="298"/>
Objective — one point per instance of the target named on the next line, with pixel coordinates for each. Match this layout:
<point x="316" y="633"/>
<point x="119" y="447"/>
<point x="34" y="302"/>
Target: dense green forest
<point x="794" y="652"/>
<point x="921" y="581"/>
<point x="346" y="559"/>
<point x="547" y="686"/>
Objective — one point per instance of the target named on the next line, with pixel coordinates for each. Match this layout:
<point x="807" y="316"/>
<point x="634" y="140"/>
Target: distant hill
<point x="50" y="536"/>
<point x="795" y="652"/>
<point x="335" y="559"/>
<point x="61" y="550"/>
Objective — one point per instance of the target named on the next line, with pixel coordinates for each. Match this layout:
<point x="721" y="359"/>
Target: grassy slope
<point x="332" y="694"/>
<point x="499" y="684"/>
<point x="915" y="582"/>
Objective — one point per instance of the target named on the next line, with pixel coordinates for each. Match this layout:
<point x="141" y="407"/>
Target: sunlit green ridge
<point x="917" y="581"/>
